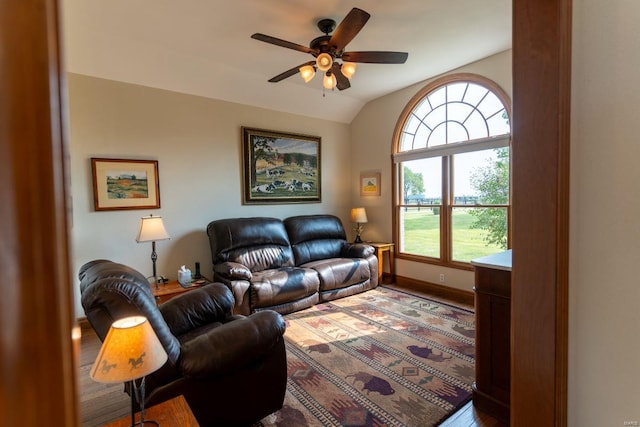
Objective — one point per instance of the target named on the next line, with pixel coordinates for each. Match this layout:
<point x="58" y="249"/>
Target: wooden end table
<point x="381" y="248"/>
<point x="168" y="290"/>
<point x="171" y="413"/>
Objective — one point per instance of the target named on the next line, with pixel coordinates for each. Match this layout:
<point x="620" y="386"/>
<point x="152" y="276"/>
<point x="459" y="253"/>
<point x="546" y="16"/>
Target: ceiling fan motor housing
<point x="322" y="45"/>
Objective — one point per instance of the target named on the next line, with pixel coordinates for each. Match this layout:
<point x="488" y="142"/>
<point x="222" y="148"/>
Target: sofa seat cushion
<point x="336" y="273"/>
<point x="281" y="285"/>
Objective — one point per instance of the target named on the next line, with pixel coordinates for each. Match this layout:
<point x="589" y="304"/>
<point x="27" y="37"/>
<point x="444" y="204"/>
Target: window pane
<point x="437" y="97"/>
<point x="478" y="232"/>
<point x="412" y="124"/>
<point x="406" y="142"/>
<point x="490" y="105"/>
<point x="420" y="231"/>
<point x="436" y="117"/>
<point x="456" y="132"/>
<point x="499" y="124"/>
<point x="477" y="126"/>
<point x="420" y="222"/>
<point x="422" y="179"/>
<point x="481" y="177"/>
<point x="455" y="91"/>
<point x="474" y="94"/>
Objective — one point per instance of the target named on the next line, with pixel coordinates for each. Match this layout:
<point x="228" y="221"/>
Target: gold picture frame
<point x="280" y="168"/>
<point x="370" y="183"/>
<point x="120" y="184"/>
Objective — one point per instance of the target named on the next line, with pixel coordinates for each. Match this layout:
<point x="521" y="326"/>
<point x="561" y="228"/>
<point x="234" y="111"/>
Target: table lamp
<point x="151" y="230"/>
<point x="359" y="216"/>
<point x="131" y="350"/>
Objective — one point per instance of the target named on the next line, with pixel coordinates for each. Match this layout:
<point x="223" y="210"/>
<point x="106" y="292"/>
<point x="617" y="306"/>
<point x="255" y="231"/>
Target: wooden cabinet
<point x="491" y="390"/>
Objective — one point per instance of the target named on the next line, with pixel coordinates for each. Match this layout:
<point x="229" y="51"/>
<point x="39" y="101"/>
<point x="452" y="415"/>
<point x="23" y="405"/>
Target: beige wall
<point x="197" y="144"/>
<point x="604" y="314"/>
<point x="371" y="134"/>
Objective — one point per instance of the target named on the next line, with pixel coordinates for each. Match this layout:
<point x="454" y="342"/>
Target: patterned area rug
<point x="380" y="358"/>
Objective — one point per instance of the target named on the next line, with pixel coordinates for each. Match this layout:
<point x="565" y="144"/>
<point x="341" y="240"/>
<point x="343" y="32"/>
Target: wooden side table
<point x="172" y="413"/>
<point x="381" y="248"/>
<point x="172" y="288"/>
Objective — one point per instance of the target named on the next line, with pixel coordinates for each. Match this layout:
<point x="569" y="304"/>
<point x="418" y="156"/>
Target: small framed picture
<point x="125" y="184"/>
<point x="370" y="184"/>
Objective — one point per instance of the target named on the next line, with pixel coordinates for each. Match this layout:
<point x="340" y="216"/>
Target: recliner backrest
<point x="258" y="243"/>
<point x="315" y="237"/>
<point x="112" y="291"/>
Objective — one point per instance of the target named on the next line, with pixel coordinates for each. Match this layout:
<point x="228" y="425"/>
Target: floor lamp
<point x="130" y="351"/>
<point x="151" y="230"/>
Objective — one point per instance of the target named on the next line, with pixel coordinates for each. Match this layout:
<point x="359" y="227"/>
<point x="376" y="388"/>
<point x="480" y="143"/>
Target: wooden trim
<point x="541" y="95"/>
<point x="38" y="369"/>
<point x="457" y="295"/>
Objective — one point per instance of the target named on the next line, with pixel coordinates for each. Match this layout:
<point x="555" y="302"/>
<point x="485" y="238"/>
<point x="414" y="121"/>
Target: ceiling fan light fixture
<point x="324" y="61"/>
<point x="307" y="72"/>
<point x="348" y="69"/>
<point x="329" y="81"/>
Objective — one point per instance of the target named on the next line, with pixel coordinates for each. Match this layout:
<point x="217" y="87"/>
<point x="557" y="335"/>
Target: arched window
<point x="452" y="169"/>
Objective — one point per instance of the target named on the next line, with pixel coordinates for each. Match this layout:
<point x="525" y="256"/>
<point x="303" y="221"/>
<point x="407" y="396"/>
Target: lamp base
<point x="139" y="390"/>
<point x="358" y="239"/>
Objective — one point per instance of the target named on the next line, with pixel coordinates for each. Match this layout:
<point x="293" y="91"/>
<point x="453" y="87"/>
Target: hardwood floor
<point x="103" y="403"/>
<point x="99" y="403"/>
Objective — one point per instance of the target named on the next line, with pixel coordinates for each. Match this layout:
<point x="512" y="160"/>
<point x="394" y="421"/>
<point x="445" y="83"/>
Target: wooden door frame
<point x="35" y="260"/>
<point x="540" y="280"/>
<point x="38" y="367"/>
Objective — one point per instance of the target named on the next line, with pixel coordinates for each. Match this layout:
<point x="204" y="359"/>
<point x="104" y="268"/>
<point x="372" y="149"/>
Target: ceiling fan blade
<point x="376" y="57"/>
<point x="342" y="82"/>
<point x="289" y="73"/>
<point x="348" y="28"/>
<point x="283" y="43"/>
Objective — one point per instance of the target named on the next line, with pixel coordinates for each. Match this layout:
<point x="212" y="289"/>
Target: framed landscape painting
<point x="125" y="184"/>
<point x="280" y="167"/>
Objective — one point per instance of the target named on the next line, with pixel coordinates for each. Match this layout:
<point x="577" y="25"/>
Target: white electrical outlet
<point x="442" y="277"/>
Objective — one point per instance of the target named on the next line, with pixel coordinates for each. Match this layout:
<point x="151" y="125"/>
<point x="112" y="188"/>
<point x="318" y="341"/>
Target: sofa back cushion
<point x="258" y="243"/>
<point x="315" y="237"/>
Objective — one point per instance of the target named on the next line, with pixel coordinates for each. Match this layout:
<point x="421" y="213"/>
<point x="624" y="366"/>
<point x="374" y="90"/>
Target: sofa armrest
<point x="233" y="345"/>
<point x="357" y="250"/>
<point x="211" y="303"/>
<point x="232" y="271"/>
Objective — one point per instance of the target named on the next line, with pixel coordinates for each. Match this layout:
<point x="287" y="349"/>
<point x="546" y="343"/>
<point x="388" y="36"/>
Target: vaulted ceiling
<point x="203" y="47"/>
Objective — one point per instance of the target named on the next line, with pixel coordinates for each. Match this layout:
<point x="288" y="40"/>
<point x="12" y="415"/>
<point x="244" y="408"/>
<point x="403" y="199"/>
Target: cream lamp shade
<point x="130" y="351"/>
<point x="151" y="229"/>
<point x="348" y="69"/>
<point x="329" y="81"/>
<point x="358" y="215"/>
<point x="307" y="72"/>
<point x="324" y="61"/>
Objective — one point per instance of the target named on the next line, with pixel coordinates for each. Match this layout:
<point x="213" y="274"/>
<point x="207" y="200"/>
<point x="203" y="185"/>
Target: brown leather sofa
<point x="231" y="369"/>
<point x="288" y="265"/>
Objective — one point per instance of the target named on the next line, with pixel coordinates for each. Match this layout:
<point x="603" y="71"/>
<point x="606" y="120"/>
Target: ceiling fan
<point x="328" y="49"/>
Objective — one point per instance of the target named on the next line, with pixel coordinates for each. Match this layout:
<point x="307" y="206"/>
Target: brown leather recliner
<point x="231" y="369"/>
